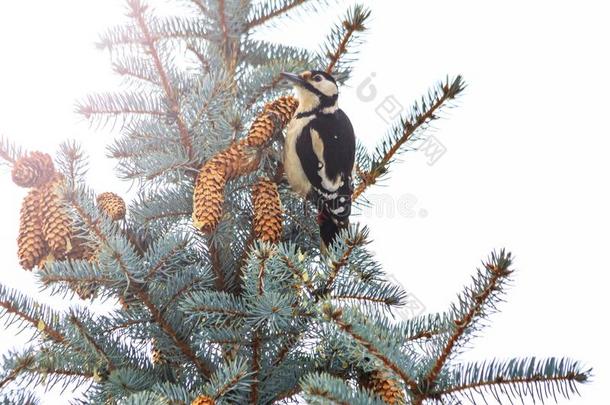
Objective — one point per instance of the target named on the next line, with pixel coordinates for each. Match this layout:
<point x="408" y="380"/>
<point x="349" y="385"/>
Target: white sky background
<point x="526" y="165"/>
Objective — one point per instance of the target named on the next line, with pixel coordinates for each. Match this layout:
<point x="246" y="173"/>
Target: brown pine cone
<point x="31" y="245"/>
<point x="56" y="223"/>
<point x="263" y="127"/>
<point x="385" y="386"/>
<point x="267" y="223"/>
<point x="82" y="250"/>
<point x="33" y="170"/>
<point x="208" y="197"/>
<point x="240" y="158"/>
<point x="203" y="400"/>
<point x="236" y="160"/>
<point x="112" y="204"/>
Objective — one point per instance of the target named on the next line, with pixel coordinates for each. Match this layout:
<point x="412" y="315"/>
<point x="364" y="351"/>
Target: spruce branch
<point x="323" y="389"/>
<point x="261" y="53"/>
<point x="264" y="11"/>
<point x="197" y="281"/>
<point x="357" y="332"/>
<point x="284" y="350"/>
<point x="340" y="254"/>
<point x="214" y="308"/>
<point x="426" y="327"/>
<point x="136" y="68"/>
<point x="343" y="36"/>
<point x="119" y="36"/>
<point x="200" y="54"/>
<point x="32" y="313"/>
<point x="215" y="260"/>
<point x="33" y="368"/>
<point x="287" y="256"/>
<point x="72" y="272"/>
<point x="91" y="342"/>
<point x="475" y="304"/>
<point x="226" y="23"/>
<point x="93" y="224"/>
<point x="168" y="329"/>
<point x="222" y="18"/>
<point x="229" y="381"/>
<point x="163" y="252"/>
<point x="256" y="367"/>
<point x="376" y="295"/>
<point x="127" y="324"/>
<point x="408" y="130"/>
<point x="19" y="397"/>
<point x="162" y="208"/>
<point x="263" y="91"/>
<point x="129" y="37"/>
<point x="72" y="161"/>
<point x="138" y="10"/>
<point x="173" y="393"/>
<point x="513" y="379"/>
<point x="104" y="107"/>
<point x="12" y="366"/>
<point x="144" y="398"/>
<point x="262" y="255"/>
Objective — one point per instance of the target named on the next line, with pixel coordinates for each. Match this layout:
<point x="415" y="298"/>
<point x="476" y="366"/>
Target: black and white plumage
<point x="319" y="151"/>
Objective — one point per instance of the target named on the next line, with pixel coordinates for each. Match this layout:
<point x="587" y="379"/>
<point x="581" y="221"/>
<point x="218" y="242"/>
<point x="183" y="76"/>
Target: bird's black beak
<point x="296" y="79"/>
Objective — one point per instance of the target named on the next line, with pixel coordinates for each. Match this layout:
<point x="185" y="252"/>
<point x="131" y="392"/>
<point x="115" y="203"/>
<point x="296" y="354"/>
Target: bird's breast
<point x="292" y="165"/>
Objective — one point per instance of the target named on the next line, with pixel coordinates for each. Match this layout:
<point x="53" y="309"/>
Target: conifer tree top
<point x="216" y="289"/>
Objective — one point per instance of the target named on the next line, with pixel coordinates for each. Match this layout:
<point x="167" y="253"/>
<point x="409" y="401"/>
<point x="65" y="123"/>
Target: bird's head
<point x="315" y="90"/>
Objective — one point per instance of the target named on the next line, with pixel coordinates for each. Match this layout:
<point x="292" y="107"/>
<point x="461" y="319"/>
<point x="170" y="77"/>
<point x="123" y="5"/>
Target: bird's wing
<point x="308" y="158"/>
<point x="326" y="150"/>
<point x="339" y="143"/>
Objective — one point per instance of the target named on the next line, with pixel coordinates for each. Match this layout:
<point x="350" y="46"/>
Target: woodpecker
<point x="319" y="151"/>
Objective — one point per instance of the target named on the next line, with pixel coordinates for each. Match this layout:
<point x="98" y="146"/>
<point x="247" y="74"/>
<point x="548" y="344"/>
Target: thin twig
<point x="347" y="328"/>
<point x="169" y="91"/>
<point x="370" y="177"/>
<point x="264" y="18"/>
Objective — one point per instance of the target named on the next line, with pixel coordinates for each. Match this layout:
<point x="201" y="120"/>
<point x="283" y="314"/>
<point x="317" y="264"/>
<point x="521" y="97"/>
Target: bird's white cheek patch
<point x="327" y="88"/>
<point x="307" y="100"/>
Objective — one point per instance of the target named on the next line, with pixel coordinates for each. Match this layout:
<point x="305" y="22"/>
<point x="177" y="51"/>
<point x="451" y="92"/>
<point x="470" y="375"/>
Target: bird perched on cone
<point x="319" y="150"/>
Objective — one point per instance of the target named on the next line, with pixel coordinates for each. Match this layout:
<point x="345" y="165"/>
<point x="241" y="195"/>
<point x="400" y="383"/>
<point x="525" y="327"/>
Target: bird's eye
<point x="317" y="78"/>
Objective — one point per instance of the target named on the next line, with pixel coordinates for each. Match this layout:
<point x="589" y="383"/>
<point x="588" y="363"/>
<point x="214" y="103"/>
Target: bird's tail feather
<point x="329" y="229"/>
